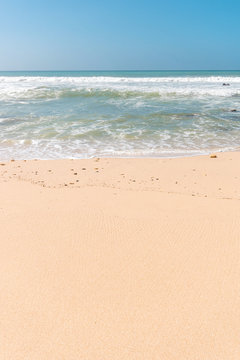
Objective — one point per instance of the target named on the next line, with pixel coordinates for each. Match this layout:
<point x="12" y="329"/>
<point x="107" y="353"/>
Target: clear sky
<point x="126" y="34"/>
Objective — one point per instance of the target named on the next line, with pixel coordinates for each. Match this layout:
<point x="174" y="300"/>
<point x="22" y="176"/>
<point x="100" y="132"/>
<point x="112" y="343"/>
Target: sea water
<point x="51" y="115"/>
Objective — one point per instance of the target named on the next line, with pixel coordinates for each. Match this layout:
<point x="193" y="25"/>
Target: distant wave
<point x="27" y="88"/>
<point x="108" y="79"/>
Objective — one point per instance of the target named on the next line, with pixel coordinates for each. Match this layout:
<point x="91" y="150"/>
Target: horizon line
<point x="108" y="70"/>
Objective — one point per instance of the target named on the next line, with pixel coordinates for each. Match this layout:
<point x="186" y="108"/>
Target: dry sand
<point x="120" y="259"/>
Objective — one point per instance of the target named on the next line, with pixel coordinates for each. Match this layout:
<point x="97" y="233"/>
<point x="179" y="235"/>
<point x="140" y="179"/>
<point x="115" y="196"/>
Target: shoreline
<point x="120" y="259"/>
<point x="179" y="156"/>
<point x="194" y="175"/>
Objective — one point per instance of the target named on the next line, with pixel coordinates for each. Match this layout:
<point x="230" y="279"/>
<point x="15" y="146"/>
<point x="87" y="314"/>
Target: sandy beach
<point x="120" y="259"/>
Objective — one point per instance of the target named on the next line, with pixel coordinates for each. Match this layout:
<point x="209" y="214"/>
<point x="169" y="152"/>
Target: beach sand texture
<point x="120" y="259"/>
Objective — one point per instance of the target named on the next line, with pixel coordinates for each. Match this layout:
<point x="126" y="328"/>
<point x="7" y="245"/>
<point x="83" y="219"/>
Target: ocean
<point x="83" y="114"/>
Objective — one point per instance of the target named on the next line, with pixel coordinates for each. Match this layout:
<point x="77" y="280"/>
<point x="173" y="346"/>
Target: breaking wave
<point x="84" y="116"/>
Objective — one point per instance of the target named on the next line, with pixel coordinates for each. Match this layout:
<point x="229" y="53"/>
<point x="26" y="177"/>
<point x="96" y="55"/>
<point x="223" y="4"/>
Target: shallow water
<point x="52" y="115"/>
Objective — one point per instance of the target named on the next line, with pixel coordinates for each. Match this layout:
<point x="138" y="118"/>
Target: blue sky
<point x="91" y="34"/>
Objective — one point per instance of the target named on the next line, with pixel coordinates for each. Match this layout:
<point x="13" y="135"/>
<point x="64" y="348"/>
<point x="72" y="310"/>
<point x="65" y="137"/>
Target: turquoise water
<point x="81" y="114"/>
<point x="125" y="73"/>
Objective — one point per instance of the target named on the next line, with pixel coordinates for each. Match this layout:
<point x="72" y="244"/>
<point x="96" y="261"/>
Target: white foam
<point x="23" y="88"/>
